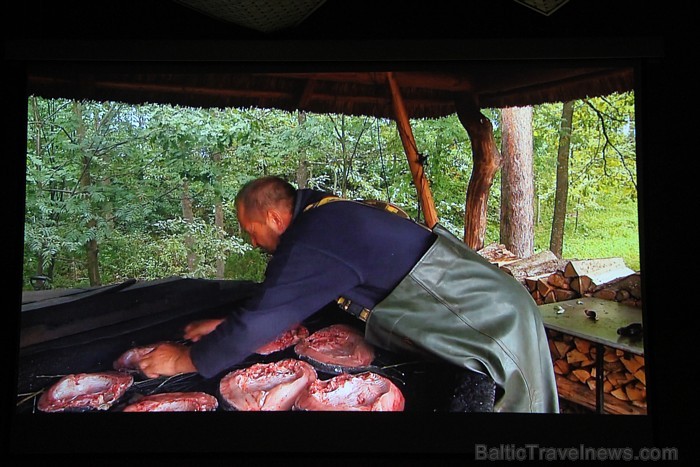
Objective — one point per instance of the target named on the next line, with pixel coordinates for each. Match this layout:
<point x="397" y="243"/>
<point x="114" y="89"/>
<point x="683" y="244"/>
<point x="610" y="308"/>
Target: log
<point x="561" y="367"/>
<point x="607" y="387"/>
<point x="537" y="297"/>
<point x="553" y="349"/>
<point x="600" y="271"/>
<point x="605" y="294"/>
<point x="563" y="294"/>
<point x="619" y="393"/>
<point x="498" y="254"/>
<point x="582" y="345"/>
<point x="620" y="378"/>
<point x="582" y="375"/>
<point x="612" y="367"/>
<point x="574" y="356"/>
<point x="581" y="284"/>
<point x="610" y="355"/>
<point x="534" y="265"/>
<point x="532" y="281"/>
<point x="631" y="284"/>
<point x="622" y="295"/>
<point x="634" y="393"/>
<point x="543" y="287"/>
<point x="558" y="280"/>
<point x="631" y="364"/>
<point x="562" y="347"/>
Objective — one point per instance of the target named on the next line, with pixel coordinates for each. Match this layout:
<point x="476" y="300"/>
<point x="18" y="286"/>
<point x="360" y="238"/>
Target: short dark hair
<point x="264" y="193"/>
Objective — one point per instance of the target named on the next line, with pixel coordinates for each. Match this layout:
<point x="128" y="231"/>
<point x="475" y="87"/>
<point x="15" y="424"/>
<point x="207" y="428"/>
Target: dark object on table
<point x="631" y="330"/>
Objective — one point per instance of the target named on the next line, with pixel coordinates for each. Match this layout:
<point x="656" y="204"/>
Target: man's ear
<point x="276" y="221"/>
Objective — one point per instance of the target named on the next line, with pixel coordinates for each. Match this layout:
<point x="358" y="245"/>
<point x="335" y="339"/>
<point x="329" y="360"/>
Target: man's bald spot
<point x="259" y="195"/>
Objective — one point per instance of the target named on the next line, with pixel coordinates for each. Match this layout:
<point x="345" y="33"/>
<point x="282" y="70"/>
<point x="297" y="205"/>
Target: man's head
<point x="265" y="208"/>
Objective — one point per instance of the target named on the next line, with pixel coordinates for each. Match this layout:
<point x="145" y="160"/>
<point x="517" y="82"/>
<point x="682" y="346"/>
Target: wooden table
<point x="570" y="317"/>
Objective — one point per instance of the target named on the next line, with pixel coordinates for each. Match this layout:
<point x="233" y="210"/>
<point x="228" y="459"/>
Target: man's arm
<point x="196" y="329"/>
<point x="299" y="281"/>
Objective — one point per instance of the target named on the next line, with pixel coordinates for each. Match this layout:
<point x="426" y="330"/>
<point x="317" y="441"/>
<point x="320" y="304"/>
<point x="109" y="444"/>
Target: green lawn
<point x="606" y="231"/>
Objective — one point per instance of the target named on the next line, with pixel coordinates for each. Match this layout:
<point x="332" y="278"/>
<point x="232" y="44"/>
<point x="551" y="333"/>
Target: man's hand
<point x="167" y="359"/>
<point x="195" y="330"/>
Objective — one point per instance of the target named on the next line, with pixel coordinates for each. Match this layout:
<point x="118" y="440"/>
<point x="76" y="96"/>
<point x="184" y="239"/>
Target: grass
<point x="611" y="230"/>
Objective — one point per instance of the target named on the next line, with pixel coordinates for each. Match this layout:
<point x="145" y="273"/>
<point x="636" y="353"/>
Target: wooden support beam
<point x="487" y="161"/>
<point x="409" y="144"/>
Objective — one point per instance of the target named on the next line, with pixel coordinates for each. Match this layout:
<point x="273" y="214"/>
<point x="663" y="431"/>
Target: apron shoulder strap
<point x="383" y="205"/>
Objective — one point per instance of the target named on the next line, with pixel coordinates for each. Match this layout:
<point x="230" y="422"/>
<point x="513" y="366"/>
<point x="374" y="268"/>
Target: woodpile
<point x="624" y="375"/>
<point x="550" y="280"/>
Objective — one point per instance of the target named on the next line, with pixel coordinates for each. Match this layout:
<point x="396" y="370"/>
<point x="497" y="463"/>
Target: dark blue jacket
<point x="337" y="249"/>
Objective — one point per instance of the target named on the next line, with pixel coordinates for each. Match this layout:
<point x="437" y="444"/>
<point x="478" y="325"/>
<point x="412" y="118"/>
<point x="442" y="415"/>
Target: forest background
<point x="116" y="191"/>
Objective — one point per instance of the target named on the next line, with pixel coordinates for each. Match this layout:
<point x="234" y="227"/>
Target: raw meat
<point x="85" y="391"/>
<point x="285" y="340"/>
<point x="336" y="349"/>
<point x="360" y="392"/>
<point x="129" y="360"/>
<point x="266" y="386"/>
<point x="174" y="402"/>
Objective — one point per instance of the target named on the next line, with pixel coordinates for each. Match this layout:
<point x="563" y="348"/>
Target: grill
<point x="83" y="331"/>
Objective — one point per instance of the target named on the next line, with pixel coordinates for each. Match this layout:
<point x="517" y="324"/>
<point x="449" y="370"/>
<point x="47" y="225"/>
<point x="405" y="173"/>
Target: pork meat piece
<point x="266" y="386"/>
<point x="337" y="349"/>
<point x="286" y="339"/>
<point x="346" y="392"/>
<point x="85" y="391"/>
<point x="174" y="402"/>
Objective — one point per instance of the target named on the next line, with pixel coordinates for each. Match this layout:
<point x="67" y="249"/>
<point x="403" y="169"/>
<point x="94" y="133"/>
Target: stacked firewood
<point x="550" y="280"/>
<point x="624" y="375"/>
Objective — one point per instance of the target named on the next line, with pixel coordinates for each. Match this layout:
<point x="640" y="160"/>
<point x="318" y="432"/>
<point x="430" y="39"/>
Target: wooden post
<point x="487" y="161"/>
<point x="409" y="144"/>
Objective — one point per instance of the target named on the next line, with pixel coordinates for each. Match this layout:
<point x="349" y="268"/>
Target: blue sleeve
<point x="298" y="283"/>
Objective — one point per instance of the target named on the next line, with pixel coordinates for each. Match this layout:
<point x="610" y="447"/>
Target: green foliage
<point x="165" y="254"/>
<point x="250" y="265"/>
<point x="140" y="159"/>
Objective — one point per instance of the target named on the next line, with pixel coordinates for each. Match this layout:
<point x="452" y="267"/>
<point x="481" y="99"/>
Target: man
<point x="418" y="290"/>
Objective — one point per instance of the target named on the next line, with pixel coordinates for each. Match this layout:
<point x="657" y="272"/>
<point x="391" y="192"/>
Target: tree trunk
<point x="219" y="214"/>
<point x="302" y="172"/>
<point x="188" y="215"/>
<point x="517" y="182"/>
<point x="487" y="161"/>
<point x="91" y="247"/>
<point x="556" y="241"/>
<point x="39" y="154"/>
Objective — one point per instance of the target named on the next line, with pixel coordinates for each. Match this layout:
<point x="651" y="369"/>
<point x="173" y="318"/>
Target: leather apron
<point x="457" y="307"/>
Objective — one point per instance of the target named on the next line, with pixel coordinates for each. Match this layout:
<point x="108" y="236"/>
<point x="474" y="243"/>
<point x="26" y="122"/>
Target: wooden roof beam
<point x="403" y="124"/>
<point x="433" y="81"/>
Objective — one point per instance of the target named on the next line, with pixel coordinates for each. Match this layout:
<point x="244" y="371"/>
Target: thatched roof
<point x="325" y="56"/>
<point x="352" y="91"/>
